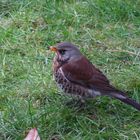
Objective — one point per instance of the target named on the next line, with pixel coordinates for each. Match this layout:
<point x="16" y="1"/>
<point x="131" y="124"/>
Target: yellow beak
<point x="52" y="48"/>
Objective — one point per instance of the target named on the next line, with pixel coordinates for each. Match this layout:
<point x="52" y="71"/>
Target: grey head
<point x="67" y="51"/>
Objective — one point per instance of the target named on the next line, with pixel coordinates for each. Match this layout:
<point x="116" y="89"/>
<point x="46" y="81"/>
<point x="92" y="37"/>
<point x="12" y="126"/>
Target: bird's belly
<point x="71" y="88"/>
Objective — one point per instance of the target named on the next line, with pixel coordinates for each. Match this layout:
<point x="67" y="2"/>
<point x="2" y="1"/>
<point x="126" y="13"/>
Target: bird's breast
<point x="71" y="88"/>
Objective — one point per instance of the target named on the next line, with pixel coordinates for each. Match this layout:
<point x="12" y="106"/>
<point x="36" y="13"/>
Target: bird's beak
<point x="53" y="48"/>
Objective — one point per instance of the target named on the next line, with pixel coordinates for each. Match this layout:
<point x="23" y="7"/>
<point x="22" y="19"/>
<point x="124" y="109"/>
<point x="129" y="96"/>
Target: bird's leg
<point x="76" y="102"/>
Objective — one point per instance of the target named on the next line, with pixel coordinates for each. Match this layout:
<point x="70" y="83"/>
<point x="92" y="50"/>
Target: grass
<point x="107" y="32"/>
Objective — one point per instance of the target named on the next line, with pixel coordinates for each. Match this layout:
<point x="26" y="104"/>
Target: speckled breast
<point x="72" y="88"/>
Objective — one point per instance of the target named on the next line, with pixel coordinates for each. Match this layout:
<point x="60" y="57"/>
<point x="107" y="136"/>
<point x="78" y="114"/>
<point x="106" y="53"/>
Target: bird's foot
<point x="76" y="103"/>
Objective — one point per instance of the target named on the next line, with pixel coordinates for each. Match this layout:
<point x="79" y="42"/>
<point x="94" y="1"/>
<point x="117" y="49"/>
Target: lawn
<point x="107" y="32"/>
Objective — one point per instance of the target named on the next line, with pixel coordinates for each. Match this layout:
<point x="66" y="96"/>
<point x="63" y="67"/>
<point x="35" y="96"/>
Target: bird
<point x="76" y="75"/>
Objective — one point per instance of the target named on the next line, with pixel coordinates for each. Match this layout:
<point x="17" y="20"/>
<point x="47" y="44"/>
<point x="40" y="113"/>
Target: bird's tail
<point x="122" y="97"/>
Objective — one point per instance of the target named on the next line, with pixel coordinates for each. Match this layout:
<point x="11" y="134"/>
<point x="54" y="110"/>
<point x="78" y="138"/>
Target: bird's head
<point x="66" y="51"/>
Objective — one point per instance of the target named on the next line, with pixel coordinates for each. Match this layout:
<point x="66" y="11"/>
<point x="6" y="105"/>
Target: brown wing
<point x="82" y="72"/>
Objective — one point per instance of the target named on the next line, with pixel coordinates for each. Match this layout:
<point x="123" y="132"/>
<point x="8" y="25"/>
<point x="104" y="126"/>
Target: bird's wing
<point x="82" y="72"/>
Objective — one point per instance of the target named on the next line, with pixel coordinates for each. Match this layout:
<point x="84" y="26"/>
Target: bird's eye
<point x="62" y="52"/>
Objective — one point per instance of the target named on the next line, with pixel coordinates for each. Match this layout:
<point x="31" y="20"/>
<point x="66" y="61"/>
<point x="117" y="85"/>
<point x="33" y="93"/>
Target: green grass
<point x="108" y="32"/>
